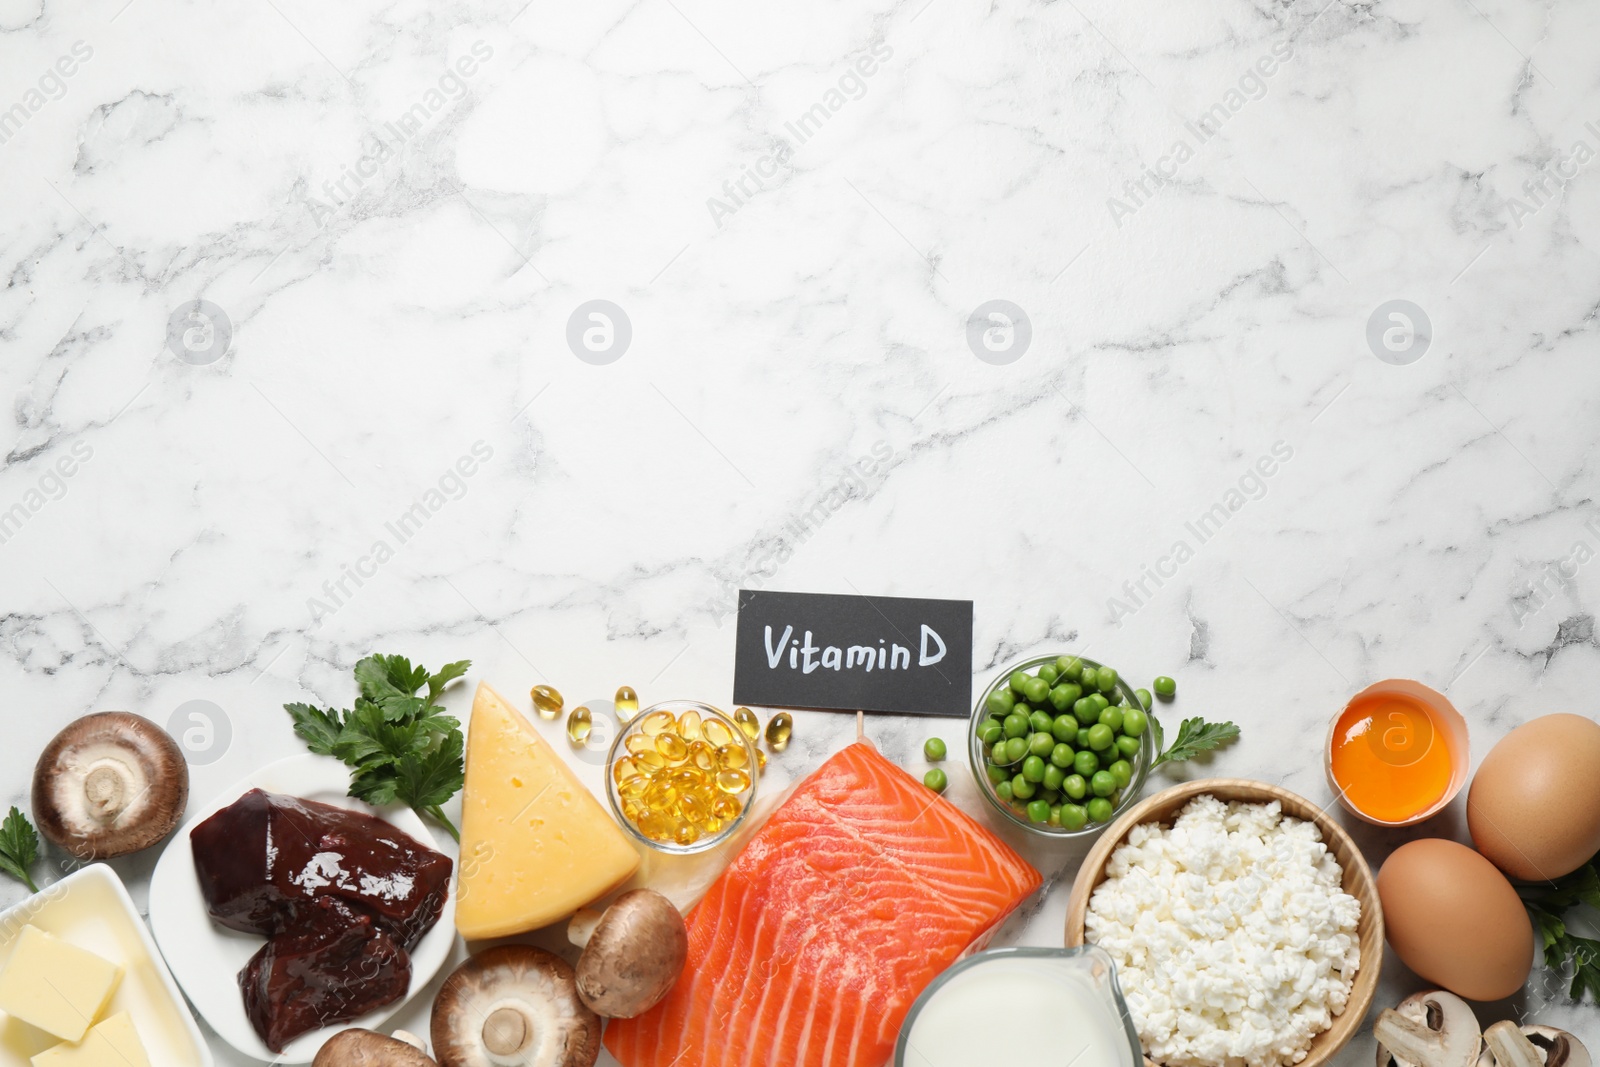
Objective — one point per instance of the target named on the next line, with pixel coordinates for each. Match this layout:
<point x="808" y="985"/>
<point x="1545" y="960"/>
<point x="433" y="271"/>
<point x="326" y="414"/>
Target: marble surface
<point x="395" y="215"/>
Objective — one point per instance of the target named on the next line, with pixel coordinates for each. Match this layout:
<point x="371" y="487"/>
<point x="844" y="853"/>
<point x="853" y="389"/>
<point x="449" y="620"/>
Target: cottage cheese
<point x="1234" y="943"/>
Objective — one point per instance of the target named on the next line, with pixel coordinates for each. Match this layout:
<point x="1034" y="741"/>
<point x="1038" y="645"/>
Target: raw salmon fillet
<point x="811" y="946"/>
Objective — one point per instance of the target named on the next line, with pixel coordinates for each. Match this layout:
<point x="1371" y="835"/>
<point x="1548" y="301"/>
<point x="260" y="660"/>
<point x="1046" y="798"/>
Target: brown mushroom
<point x="109" y="784"/>
<point x="1531" y="1046"/>
<point x="514" y="1006"/>
<point x="632" y="954"/>
<point x="366" y="1048"/>
<point x="1434" y="1029"/>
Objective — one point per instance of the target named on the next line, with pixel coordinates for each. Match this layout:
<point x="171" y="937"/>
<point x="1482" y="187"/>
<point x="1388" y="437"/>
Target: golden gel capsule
<point x="624" y="768"/>
<point x="649" y="760"/>
<point x="686" y="834"/>
<point x="626" y="702"/>
<point x="633" y="789"/>
<point x="547" y="700"/>
<point x="725" y="807"/>
<point x="747" y="721"/>
<point x="637" y="744"/>
<point x="733" y="756"/>
<point x="733" y="781"/>
<point x="579" y="723"/>
<point x="761" y="760"/>
<point x="689" y="725"/>
<point x="703" y="756"/>
<point x="658" y="722"/>
<point x="779" y="729"/>
<point x="716" y="733"/>
<point x="672" y="748"/>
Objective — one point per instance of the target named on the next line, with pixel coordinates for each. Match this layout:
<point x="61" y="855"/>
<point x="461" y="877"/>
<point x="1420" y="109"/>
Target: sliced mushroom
<point x="1531" y="1046"/>
<point x="108" y="785"/>
<point x="632" y="954"/>
<point x="411" y="1039"/>
<point x="1435" y="1029"/>
<point x="514" y="1006"/>
<point x="365" y="1048"/>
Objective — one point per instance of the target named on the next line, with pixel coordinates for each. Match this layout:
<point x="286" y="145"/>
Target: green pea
<point x="1112" y="718"/>
<point x="1128" y="747"/>
<point x="1016" y="748"/>
<point x="1075" y="787"/>
<point x="1082" y="740"/>
<point x="1071" y="667"/>
<point x="996" y="773"/>
<point x="934" y="749"/>
<point x="935" y="780"/>
<point x="1018" y="682"/>
<point x="1099" y="810"/>
<point x="1065" y="728"/>
<point x="1085" y="710"/>
<point x="990" y="732"/>
<point x="1085" y="763"/>
<point x="1144" y="698"/>
<point x="1061" y="697"/>
<point x="1049" y="673"/>
<point x="1033" y="769"/>
<point x="1016" y="724"/>
<point x="1000" y="702"/>
<point x="1073" y="817"/>
<point x="1022" y="789"/>
<point x="1036" y="690"/>
<point x="1054" y="776"/>
<point x="1001" y="753"/>
<point x="1040" y="721"/>
<point x="1038" y="811"/>
<point x="1101" y="737"/>
<point x="1062" y="755"/>
<point x="1134" y="722"/>
<point x="1041" y="744"/>
<point x="1122" y="771"/>
<point x="1105" y="679"/>
<point x="1103" y="784"/>
<point x="1022" y="708"/>
<point x="1165" y="687"/>
<point x="1003" y="789"/>
<point x="1055" y="815"/>
<point x="1101" y="701"/>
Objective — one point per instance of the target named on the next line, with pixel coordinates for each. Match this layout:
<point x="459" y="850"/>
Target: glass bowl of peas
<point x="1061" y="745"/>
<point x="681" y="776"/>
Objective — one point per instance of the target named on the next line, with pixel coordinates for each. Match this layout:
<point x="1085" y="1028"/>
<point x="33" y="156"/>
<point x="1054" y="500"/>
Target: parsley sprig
<point x="1194" y="737"/>
<point x="1549" y="904"/>
<point x="19" y="848"/>
<point x="400" y="746"/>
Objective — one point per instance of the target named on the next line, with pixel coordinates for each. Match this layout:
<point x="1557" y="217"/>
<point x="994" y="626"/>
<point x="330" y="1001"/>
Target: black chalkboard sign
<point x="868" y="653"/>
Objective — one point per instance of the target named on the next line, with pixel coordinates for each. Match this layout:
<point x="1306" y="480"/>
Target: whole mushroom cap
<point x="366" y="1048"/>
<point x="634" y="955"/>
<point x="108" y="785"/>
<point x="514" y="1006"/>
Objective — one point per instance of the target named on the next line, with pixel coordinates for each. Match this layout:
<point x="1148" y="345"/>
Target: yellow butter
<point x="535" y="844"/>
<point x="113" y="1043"/>
<point x="60" y="988"/>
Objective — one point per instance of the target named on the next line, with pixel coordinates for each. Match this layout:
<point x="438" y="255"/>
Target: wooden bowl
<point x="1164" y="807"/>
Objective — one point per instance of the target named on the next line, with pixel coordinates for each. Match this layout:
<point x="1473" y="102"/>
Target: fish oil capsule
<point x="693" y="808"/>
<point x="747" y="721"/>
<point x="633" y="810"/>
<point x="725" y="807"/>
<point x="685" y="780"/>
<point x="624" y="768"/>
<point x="712" y="825"/>
<point x="637" y="744"/>
<point x="547" y="700"/>
<point x="686" y="834"/>
<point x="716" y="733"/>
<point x="658" y="722"/>
<point x="779" y="729"/>
<point x="702" y="756"/>
<point x="649" y="760"/>
<point x="579" y="723"/>
<point x="626" y="702"/>
<point x="733" y="756"/>
<point x="761" y="760"/>
<point x="672" y="748"/>
<point x="660" y="795"/>
<point x="732" y="781"/>
<point x="689" y="725"/>
<point x="655" y="826"/>
<point x="633" y="788"/>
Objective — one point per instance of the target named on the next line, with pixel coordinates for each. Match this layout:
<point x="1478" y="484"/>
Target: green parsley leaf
<point x="1565" y="951"/>
<point x="1194" y="737"/>
<point x="19" y="848"/>
<point x="447" y="674"/>
<point x="319" y="729"/>
<point x="428" y="781"/>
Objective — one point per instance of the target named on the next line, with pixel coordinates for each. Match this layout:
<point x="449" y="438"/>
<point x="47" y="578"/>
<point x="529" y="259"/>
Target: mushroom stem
<point x="1532" y="1046"/>
<point x="1434" y="1029"/>
<point x="103" y="790"/>
<point x="583" y="925"/>
<point x="1511" y="1048"/>
<point x="505" y="1031"/>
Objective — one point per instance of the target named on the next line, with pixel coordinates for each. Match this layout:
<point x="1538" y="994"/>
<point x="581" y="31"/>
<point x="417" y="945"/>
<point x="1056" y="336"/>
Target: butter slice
<point x="535" y="844"/>
<point x="60" y="988"/>
<point x="113" y="1043"/>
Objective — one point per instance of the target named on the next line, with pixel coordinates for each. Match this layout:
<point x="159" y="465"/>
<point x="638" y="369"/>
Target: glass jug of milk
<point x="1065" y="1004"/>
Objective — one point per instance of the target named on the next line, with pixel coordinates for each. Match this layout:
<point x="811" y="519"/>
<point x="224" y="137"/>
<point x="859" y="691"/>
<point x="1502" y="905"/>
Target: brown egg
<point x="1455" y="920"/>
<point x="1534" y="808"/>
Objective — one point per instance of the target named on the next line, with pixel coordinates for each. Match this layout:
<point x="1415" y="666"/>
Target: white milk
<point x="1018" y="1011"/>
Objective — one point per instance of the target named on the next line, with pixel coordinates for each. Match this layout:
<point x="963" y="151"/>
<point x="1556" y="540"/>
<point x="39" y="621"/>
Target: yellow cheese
<point x="535" y="844"/>
<point x="60" y="988"/>
<point x="113" y="1043"/>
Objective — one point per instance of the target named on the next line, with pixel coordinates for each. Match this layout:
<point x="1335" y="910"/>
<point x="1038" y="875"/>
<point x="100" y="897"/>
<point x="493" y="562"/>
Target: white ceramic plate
<point x="207" y="958"/>
<point x="90" y="908"/>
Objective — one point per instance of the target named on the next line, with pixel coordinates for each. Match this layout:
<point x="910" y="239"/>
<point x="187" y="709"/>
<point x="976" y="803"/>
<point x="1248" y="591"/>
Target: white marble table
<point x="395" y="216"/>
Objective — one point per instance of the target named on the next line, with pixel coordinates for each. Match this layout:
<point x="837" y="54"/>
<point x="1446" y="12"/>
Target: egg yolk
<point x="1390" y="757"/>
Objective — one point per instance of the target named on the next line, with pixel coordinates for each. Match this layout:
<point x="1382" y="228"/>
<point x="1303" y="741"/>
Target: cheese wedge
<point x="535" y="844"/>
<point x="60" y="988"/>
<point x="113" y="1043"/>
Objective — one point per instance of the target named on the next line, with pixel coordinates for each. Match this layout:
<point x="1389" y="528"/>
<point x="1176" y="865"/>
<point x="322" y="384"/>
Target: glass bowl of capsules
<point x="682" y="776"/>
